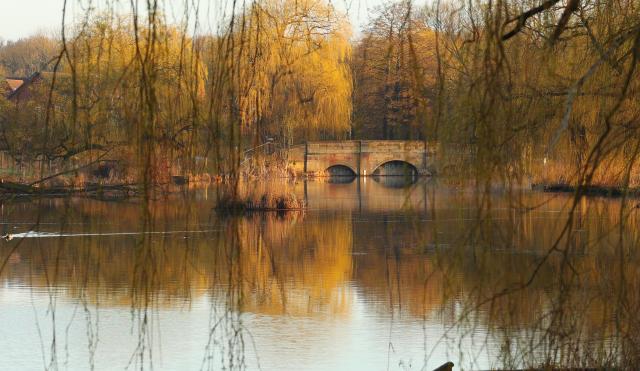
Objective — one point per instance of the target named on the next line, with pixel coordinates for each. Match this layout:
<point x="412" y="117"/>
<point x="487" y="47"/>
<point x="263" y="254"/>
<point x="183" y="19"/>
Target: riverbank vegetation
<point x="159" y="100"/>
<point x="263" y="202"/>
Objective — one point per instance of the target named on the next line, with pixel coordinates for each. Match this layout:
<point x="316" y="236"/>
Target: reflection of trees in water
<point x="493" y="275"/>
<point x="444" y="264"/>
<point x="276" y="258"/>
<point x="558" y="306"/>
<point x="261" y="263"/>
<point x="297" y="270"/>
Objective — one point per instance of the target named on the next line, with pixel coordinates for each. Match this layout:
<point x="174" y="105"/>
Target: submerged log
<point x="12" y="187"/>
<point x="107" y="191"/>
<point x="27" y="189"/>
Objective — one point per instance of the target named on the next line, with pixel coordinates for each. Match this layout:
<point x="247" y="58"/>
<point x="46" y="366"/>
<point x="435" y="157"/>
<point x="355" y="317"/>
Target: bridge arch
<point x="341" y="170"/>
<point x="396" y="167"/>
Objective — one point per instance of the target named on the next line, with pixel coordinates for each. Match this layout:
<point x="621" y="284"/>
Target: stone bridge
<point x="364" y="157"/>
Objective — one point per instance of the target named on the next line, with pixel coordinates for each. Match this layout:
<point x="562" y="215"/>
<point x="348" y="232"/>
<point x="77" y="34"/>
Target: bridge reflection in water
<point x="399" y="175"/>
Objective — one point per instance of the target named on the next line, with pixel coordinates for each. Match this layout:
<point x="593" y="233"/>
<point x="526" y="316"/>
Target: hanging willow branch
<point x="521" y="20"/>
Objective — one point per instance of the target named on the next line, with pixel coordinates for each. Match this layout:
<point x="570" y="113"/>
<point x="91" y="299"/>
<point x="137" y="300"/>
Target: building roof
<point x="20" y="87"/>
<point x="20" y="83"/>
<point x="14" y="83"/>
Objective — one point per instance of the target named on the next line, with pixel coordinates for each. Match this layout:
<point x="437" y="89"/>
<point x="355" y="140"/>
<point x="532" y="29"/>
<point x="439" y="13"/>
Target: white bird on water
<point x="36" y="234"/>
<point x="11" y="236"/>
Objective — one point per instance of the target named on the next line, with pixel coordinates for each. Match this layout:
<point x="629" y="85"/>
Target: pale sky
<point x="21" y="18"/>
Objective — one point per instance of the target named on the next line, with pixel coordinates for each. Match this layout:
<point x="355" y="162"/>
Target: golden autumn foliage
<point x="544" y="101"/>
<point x="539" y="97"/>
<point x="133" y="85"/>
<point x="291" y="79"/>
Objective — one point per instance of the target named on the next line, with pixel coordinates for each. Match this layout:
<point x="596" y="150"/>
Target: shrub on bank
<point x="264" y="202"/>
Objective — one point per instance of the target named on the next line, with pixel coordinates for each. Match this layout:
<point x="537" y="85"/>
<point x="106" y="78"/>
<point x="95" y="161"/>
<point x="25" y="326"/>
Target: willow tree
<point x="292" y="78"/>
<point x="106" y="76"/>
<point x="548" y="90"/>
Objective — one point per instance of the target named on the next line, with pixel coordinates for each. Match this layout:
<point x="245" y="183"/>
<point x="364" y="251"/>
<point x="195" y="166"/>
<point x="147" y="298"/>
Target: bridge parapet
<point x="396" y="146"/>
<point x="347" y="146"/>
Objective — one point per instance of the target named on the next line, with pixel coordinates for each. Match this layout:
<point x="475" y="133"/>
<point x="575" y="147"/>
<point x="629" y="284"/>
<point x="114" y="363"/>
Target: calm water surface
<point x="373" y="277"/>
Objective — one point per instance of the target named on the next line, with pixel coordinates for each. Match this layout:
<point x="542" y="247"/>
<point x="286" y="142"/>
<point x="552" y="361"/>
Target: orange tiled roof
<point x="14" y="84"/>
<point x="20" y="84"/>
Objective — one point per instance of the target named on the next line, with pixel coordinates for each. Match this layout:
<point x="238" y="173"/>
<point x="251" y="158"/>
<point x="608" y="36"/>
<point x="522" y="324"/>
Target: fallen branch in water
<point x="102" y="191"/>
<point x="587" y="190"/>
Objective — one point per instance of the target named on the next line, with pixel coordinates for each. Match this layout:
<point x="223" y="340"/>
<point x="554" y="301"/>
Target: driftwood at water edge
<point x="96" y="190"/>
<point x="27" y="189"/>
<point x="588" y="190"/>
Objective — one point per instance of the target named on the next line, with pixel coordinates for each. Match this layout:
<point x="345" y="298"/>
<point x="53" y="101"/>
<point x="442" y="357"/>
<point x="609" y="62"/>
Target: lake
<point x="372" y="276"/>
